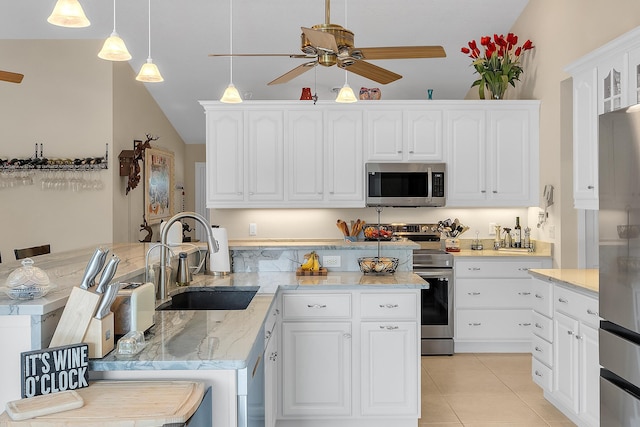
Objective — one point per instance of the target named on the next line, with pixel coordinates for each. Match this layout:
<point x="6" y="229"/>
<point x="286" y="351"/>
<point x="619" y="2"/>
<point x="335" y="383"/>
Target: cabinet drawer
<point x="542" y="326"/>
<point x="541" y="374"/>
<point x="576" y="305"/>
<point x="493" y="324"/>
<point x="542" y="350"/>
<point x="498" y="293"/>
<point x="389" y="305"/>
<point x="542" y="300"/>
<point x="305" y="306"/>
<point x="506" y="268"/>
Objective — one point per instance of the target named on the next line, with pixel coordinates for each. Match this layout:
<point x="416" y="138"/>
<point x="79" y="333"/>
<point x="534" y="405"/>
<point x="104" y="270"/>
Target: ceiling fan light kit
<point x="68" y="13"/>
<point x="114" y="48"/>
<point x="346" y="95"/>
<point x="149" y="72"/>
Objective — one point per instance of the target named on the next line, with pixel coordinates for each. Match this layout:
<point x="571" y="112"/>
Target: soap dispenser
<point x="183" y="275"/>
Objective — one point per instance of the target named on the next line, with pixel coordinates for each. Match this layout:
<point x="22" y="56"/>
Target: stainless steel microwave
<point x="405" y="184"/>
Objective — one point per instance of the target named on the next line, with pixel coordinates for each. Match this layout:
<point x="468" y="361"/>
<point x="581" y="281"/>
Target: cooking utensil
<point x="93" y="268"/>
<point x="104" y="308"/>
<point x="343" y="227"/>
<point x="108" y="273"/>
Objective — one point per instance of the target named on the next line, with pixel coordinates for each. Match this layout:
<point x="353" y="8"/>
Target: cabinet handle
<point x="538" y="349"/>
<point x="524" y="324"/>
<point x="483" y="191"/>
<point x="562" y="300"/>
<point x="578" y="337"/>
<point x="399" y="151"/>
<point x="594" y="313"/>
<point x="473" y="268"/>
<point x="273" y="356"/>
<point x="389" y="328"/>
<point x="494" y="191"/>
<point x="473" y="293"/>
<point x="589" y="187"/>
<point x="475" y="324"/>
<point x="569" y="332"/>
<point x="268" y="334"/>
<point x="317" y="305"/>
<point x="539" y="296"/>
<point x="524" y="293"/>
<point x="410" y="151"/>
<point x="276" y="312"/>
<point x="538" y="374"/>
<point x="523" y="268"/>
<point x="388" y="305"/>
<point x="539" y="326"/>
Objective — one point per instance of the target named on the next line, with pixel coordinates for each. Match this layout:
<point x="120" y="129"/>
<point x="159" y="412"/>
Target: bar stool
<point x="31" y="252"/>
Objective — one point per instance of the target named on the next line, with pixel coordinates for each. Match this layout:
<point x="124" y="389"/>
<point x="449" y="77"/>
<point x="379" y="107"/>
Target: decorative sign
<point x="51" y="370"/>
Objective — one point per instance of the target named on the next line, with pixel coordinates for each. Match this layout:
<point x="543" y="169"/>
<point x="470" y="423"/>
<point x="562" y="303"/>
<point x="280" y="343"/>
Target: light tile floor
<point x="484" y="390"/>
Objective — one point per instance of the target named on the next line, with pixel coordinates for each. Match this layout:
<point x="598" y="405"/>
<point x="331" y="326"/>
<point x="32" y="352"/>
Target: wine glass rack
<point x="40" y="162"/>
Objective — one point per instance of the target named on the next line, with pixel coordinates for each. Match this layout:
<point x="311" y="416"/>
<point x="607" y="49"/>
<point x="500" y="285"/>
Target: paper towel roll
<point x="220" y="262"/>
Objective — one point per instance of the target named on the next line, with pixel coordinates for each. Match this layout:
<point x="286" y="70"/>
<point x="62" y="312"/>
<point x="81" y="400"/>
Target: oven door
<point x="437" y="303"/>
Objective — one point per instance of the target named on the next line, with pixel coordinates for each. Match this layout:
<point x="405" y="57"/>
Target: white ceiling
<point x="185" y="32"/>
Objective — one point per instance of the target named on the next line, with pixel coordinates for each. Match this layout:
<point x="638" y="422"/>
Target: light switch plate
<point x="253" y="229"/>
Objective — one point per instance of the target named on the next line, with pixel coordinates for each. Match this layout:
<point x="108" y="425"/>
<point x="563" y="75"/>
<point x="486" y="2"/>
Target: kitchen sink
<point x="211" y="298"/>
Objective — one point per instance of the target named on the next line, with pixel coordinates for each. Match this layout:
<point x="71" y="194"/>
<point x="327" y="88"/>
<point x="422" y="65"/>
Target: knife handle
<point x="108" y="273"/>
<point x="93" y="267"/>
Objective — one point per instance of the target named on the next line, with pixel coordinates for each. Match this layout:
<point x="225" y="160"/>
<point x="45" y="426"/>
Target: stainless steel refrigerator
<point x="619" y="253"/>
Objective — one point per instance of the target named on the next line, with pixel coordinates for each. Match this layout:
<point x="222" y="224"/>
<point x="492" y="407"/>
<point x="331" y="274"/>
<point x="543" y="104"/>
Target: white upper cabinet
<point x="304" y="144"/>
<point x="403" y="134"/>
<point x="604" y="80"/>
<point x="493" y="154"/>
<point x="225" y="157"/>
<point x="265" y="155"/>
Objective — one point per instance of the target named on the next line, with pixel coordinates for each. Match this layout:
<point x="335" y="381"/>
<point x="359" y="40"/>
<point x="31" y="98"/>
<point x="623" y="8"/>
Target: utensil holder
<point x="100" y="336"/>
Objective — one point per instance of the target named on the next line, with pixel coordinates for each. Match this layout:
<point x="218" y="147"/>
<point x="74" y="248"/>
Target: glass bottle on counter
<point x="517" y="234"/>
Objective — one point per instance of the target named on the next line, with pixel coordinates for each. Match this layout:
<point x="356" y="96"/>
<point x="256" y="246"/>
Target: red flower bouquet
<point x="499" y="65"/>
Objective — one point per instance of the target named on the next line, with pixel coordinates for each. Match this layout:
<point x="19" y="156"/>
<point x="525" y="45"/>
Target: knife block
<point x="100" y="336"/>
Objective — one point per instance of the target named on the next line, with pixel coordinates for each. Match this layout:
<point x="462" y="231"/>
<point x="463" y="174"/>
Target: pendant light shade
<point x="149" y="72"/>
<point x="68" y="13"/>
<point x="114" y="48"/>
<point x="346" y="94"/>
<point x="231" y="95"/>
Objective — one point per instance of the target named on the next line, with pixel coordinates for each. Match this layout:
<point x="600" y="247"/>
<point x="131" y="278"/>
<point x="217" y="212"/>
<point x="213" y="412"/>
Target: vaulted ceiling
<point x="185" y="32"/>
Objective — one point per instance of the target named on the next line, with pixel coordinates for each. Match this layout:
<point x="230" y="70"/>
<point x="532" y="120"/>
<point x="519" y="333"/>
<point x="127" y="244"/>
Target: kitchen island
<point x="219" y="347"/>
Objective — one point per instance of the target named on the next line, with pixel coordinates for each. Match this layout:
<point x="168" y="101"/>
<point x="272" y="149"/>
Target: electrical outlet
<point x="253" y="229"/>
<point x="331" y="260"/>
<point x="492" y="229"/>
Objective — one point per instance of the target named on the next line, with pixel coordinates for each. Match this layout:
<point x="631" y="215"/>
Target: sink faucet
<point x="212" y="245"/>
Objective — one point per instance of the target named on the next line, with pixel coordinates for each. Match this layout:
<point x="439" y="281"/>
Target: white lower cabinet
<point x="349" y="359"/>
<point x="565" y="362"/>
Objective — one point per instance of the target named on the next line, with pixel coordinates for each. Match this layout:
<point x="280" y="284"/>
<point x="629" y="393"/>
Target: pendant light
<point x="114" y="48"/>
<point x="346" y="94"/>
<point x="231" y="95"/>
<point x="149" y="72"/>
<point x="68" y="13"/>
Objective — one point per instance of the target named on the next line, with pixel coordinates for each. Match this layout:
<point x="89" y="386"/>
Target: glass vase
<point x="496" y="90"/>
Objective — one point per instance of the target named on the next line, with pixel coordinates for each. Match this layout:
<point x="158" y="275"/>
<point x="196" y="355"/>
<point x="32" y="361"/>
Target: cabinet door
<point x="384" y="135"/>
<point x="589" y="374"/>
<point x="634" y="76"/>
<point x="343" y="154"/>
<point x="565" y="360"/>
<point x="423" y="135"/>
<point x="304" y="145"/>
<point x="585" y="139"/>
<point x="316" y="369"/>
<point x="508" y="157"/>
<point x="612" y="93"/>
<point x="271" y="379"/>
<point x="225" y="157"/>
<point x="389" y="370"/>
<point x="466" y="142"/>
<point x="266" y="155"/>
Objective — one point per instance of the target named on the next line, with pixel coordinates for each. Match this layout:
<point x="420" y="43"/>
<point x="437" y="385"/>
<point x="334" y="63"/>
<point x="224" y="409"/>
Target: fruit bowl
<point x="377" y="233"/>
<point x="378" y="265"/>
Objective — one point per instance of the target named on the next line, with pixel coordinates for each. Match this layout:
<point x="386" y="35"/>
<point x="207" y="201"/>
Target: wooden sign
<point x="55" y="369"/>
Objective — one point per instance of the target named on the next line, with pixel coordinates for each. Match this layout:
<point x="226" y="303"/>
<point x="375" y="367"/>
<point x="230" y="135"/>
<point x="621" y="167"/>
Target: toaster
<point x="134" y="307"/>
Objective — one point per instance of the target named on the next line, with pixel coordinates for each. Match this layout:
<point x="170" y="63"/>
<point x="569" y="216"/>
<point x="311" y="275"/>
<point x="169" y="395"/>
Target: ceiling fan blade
<point x="321" y="40"/>
<point x="10" y="77"/>
<point x="290" y="55"/>
<point x="372" y="72"/>
<point x="401" y="52"/>
<point x="292" y="74"/>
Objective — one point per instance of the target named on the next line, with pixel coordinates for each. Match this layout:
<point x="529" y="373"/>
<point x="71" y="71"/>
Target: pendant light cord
<point x="149" y="29"/>
<point x="346" y="73"/>
<point x="231" y="41"/>
<point x="114" y="16"/>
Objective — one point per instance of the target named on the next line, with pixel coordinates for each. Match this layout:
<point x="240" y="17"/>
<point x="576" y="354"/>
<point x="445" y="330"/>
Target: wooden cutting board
<point x="321" y="272"/>
<point x="124" y="404"/>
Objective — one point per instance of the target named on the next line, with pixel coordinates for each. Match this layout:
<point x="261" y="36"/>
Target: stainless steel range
<point x="435" y="266"/>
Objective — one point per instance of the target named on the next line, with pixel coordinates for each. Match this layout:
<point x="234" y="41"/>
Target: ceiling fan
<point x="330" y="44"/>
<point x="10" y="77"/>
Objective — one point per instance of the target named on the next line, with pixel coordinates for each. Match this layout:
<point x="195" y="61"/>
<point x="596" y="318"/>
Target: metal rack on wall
<point x="40" y="162"/>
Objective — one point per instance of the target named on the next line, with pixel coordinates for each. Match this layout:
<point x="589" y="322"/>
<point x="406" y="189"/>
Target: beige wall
<point x="74" y="103"/>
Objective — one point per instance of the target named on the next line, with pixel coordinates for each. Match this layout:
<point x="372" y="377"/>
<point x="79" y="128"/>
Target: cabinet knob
<point x="410" y="151"/>
<point x="593" y="313"/>
<point x="539" y="296"/>
<point x="589" y="187"/>
<point x="578" y="337"/>
<point x="538" y="374"/>
<point x="276" y="312"/>
<point x="538" y="349"/>
<point x="388" y="305"/>
<point x="399" y="151"/>
<point x="268" y="334"/>
<point x="317" y="305"/>
<point x="562" y="300"/>
<point x="389" y="327"/>
<point x="569" y="332"/>
<point x="483" y="191"/>
<point x="538" y="325"/>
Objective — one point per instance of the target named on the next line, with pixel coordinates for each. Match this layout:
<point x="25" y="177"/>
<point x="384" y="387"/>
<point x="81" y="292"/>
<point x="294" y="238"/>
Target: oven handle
<point x="435" y="273"/>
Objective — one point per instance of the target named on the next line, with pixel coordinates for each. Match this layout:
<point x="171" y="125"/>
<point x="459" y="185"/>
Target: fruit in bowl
<point x="378" y="265"/>
<point x="375" y="233"/>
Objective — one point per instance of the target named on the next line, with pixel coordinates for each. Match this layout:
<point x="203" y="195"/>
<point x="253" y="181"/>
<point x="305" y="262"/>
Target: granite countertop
<point x="542" y="249"/>
<point x="261" y="244"/>
<point x="587" y="279"/>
